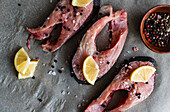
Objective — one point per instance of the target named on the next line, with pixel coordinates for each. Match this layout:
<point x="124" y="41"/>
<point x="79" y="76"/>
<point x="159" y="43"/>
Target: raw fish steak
<point x="105" y="59"/>
<point x="72" y="18"/>
<point x="137" y="92"/>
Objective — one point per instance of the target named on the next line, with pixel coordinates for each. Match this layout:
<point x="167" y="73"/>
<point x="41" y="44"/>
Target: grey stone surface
<point x="48" y="93"/>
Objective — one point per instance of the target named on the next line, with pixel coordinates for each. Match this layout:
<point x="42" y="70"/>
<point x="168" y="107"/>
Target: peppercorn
<point x="129" y="88"/>
<point x="156" y="29"/>
<point x="138" y="97"/>
<point x="103" y="105"/>
<point x="52" y="66"/>
<point x="100" y="14"/>
<point x="40" y="100"/>
<point x="108" y="62"/>
<point x="33" y="77"/>
<point x="75" y="10"/>
<point x="133" y="85"/>
<point x="55" y="61"/>
<point x="76" y="7"/>
<point x="68" y="10"/>
<point x="60" y="71"/>
<point x="64" y="27"/>
<point x="19" y="4"/>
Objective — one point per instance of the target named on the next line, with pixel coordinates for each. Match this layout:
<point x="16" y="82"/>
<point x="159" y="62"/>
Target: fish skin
<point x="87" y="46"/>
<point x="122" y="82"/>
<point x="70" y="24"/>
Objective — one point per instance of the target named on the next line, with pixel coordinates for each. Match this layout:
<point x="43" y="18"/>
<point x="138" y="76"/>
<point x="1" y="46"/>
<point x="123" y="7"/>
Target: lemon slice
<point x="81" y="3"/>
<point x="29" y="72"/>
<point x="90" y="70"/>
<point x="142" y="74"/>
<point x="21" y="61"/>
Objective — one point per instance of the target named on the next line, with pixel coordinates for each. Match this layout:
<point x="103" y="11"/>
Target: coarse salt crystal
<point x="129" y="67"/>
<point x="62" y="68"/>
<point x="68" y="92"/>
<point x="128" y="52"/>
<point x="63" y="92"/>
<point x="53" y="73"/>
<point x="79" y="105"/>
<point x="50" y="72"/>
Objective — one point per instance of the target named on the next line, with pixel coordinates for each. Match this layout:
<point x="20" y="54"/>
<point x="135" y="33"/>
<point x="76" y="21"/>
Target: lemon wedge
<point x="90" y="70"/>
<point x="142" y="74"/>
<point x="21" y="61"/>
<point x="29" y="72"/>
<point x="81" y="3"/>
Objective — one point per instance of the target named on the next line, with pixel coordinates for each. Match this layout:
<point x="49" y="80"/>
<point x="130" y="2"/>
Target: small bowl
<point x="160" y="8"/>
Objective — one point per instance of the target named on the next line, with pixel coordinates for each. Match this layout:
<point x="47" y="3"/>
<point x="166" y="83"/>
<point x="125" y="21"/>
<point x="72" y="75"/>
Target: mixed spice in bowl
<point x="155" y="29"/>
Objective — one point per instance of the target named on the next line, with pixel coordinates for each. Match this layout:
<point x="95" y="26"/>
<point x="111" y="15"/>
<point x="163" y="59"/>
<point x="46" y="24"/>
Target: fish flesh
<point x="105" y="59"/>
<point x="137" y="92"/>
<point x="72" y="18"/>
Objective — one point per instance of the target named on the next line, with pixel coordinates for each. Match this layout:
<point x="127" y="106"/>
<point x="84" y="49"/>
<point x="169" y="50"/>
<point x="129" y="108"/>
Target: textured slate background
<point x="22" y="95"/>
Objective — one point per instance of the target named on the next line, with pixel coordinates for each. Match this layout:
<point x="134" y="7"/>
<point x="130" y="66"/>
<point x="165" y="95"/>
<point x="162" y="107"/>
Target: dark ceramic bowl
<point x="160" y="8"/>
